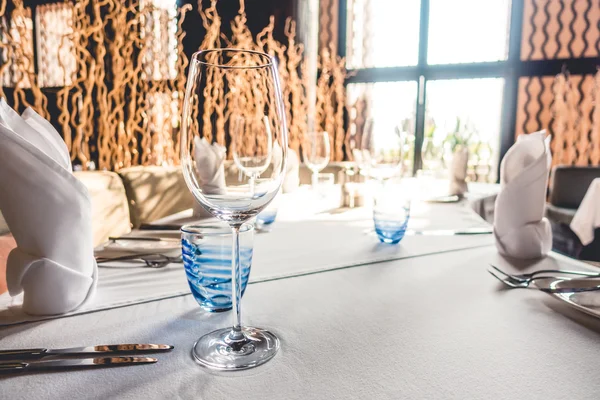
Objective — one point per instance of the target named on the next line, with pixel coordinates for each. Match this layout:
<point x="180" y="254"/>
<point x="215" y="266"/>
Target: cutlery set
<point x="549" y="280"/>
<point x="22" y="360"/>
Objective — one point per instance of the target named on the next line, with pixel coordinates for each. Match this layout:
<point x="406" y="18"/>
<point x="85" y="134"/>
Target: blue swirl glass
<point x="391" y="210"/>
<point x="265" y="219"/>
<point x="206" y="251"/>
<point x="390" y="228"/>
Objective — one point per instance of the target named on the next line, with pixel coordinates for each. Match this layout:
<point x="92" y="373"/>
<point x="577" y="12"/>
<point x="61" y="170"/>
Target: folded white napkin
<point x="292" y="172"/>
<point x="458" y="172"/>
<point x="520" y="228"/>
<point x="48" y="212"/>
<point x="210" y="159"/>
<point x="587" y="217"/>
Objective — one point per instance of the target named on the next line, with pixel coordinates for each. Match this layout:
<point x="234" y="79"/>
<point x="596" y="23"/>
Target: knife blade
<point x="450" y="232"/>
<point x="160" y="227"/>
<point x="74" y="363"/>
<point x="561" y="285"/>
<point x="35" y="354"/>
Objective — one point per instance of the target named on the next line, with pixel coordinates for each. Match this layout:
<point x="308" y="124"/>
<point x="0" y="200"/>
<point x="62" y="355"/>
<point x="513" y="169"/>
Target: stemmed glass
<point x="249" y="155"/>
<point x="381" y="150"/>
<point x="236" y="92"/>
<point x="316" y="151"/>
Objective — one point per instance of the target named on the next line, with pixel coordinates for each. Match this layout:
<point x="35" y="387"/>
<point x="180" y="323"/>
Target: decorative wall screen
<point x="567" y="105"/>
<point x="523" y="45"/>
<point x="111" y="76"/>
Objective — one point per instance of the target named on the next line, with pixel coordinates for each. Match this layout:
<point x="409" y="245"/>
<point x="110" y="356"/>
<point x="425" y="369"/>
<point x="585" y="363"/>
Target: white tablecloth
<point x="294" y="247"/>
<point x="426" y="326"/>
<point x="431" y="327"/>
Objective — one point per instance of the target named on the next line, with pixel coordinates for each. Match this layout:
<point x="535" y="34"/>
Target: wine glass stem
<point x="315" y="179"/>
<point x="252" y="184"/>
<point x="236" y="292"/>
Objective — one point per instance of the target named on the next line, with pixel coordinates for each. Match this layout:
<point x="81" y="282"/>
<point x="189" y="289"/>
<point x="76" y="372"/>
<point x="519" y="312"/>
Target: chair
<point x="568" y="186"/>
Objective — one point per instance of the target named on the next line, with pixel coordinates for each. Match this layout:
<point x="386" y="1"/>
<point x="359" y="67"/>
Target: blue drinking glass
<point x="391" y="212"/>
<point x="265" y="219"/>
<point x="206" y="251"/>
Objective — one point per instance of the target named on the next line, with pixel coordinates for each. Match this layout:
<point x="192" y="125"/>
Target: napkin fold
<point x="587" y="217"/>
<point x="520" y="229"/>
<point x="458" y="172"/>
<point x="210" y="160"/>
<point x="292" y="168"/>
<point x="48" y="212"/>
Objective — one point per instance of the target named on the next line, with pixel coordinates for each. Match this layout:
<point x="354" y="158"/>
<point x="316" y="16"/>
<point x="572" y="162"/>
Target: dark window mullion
<point x="446" y="71"/>
<point x="511" y="82"/>
<point x="421" y="84"/>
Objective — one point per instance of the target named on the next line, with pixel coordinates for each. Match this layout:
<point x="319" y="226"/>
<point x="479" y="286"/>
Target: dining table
<point x="357" y="319"/>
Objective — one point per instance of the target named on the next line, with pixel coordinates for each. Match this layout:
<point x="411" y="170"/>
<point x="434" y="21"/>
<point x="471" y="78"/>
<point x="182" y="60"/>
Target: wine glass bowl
<point x="381" y="150"/>
<point x="251" y="144"/>
<point x="233" y="96"/>
<point x="316" y="151"/>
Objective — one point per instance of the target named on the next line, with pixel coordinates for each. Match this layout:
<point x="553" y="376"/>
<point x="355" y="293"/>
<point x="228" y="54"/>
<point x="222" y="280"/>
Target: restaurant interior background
<point x="115" y="94"/>
<point x="452" y="253"/>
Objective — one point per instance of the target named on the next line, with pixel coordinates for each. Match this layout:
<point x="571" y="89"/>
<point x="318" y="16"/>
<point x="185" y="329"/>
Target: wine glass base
<point x="216" y="351"/>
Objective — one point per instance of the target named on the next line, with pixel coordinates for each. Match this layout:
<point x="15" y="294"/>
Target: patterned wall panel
<point x="559" y="29"/>
<point x="16" y="49"/>
<point x="565" y="104"/>
<point x="565" y="107"/>
<point x="55" y="49"/>
<point x="329" y="24"/>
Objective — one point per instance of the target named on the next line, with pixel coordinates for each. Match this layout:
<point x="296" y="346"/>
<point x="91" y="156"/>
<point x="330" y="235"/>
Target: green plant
<point x="460" y="136"/>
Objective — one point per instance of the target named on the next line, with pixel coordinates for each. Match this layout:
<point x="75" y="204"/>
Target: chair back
<point x="568" y="184"/>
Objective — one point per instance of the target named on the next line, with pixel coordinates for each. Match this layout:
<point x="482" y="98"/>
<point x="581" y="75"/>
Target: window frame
<point x="511" y="70"/>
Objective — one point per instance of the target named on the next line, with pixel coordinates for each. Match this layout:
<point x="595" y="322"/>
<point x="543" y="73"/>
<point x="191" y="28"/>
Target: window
<point x="378" y="38"/>
<point x="437" y="64"/>
<point x="467" y="31"/>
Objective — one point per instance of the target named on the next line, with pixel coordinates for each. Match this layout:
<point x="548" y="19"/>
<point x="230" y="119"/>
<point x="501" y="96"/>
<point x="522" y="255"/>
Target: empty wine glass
<point x="236" y="93"/>
<point x="316" y="152"/>
<point x="381" y="150"/>
<point x="252" y="145"/>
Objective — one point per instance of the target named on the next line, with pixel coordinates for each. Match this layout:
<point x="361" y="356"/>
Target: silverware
<point x="163" y="227"/>
<point x="152" y="260"/>
<point x="524" y="280"/>
<point x="74" y="363"/>
<point x="36" y="354"/>
<point x="451" y="232"/>
<point x="136" y="238"/>
<point x="554" y="285"/>
<point x="444" y="199"/>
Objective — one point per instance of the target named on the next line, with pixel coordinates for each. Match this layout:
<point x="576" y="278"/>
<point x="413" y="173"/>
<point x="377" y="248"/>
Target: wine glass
<point x="316" y="152"/>
<point x="235" y="92"/>
<point x="249" y="155"/>
<point x="381" y="150"/>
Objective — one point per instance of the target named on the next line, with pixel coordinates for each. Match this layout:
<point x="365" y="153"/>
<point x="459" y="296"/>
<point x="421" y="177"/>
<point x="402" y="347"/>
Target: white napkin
<point x="292" y="172"/>
<point x="49" y="214"/>
<point x="210" y="159"/>
<point x="520" y="228"/>
<point x="587" y="217"/>
<point x="458" y="172"/>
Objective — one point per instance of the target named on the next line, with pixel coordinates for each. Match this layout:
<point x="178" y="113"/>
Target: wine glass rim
<point x="213" y="229"/>
<point x="196" y="58"/>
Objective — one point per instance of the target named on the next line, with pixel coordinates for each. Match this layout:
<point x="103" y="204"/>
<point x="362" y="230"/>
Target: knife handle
<point x="22" y="353"/>
<point x="13" y="367"/>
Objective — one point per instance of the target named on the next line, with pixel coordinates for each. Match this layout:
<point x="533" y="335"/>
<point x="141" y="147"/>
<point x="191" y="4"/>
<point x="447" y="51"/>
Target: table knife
<point x="36" y="354"/>
<point x="142" y="238"/>
<point x="561" y="285"/>
<point x="450" y="232"/>
<point x="160" y="227"/>
<point x="74" y="363"/>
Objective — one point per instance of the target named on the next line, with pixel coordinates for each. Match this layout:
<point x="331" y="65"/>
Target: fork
<point x="524" y="280"/>
<point x="151" y="260"/>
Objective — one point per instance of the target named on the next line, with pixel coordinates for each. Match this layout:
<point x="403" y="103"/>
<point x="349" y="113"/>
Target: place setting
<point x="299" y="200"/>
